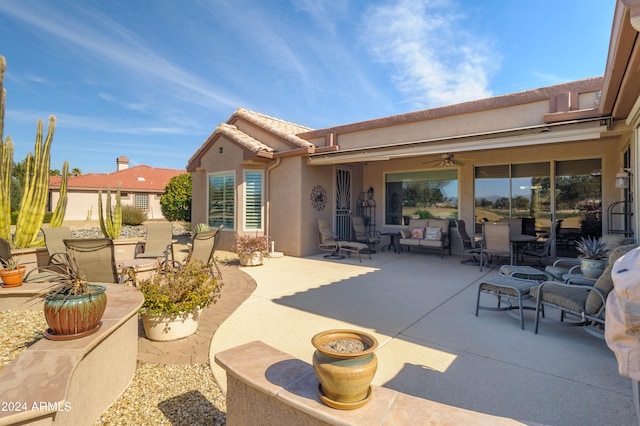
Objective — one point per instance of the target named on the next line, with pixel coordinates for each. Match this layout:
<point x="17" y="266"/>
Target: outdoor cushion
<point x="417" y="233"/>
<point x="442" y="224"/>
<point x="605" y="282"/>
<point x="570" y="297"/>
<point x="433" y="234"/>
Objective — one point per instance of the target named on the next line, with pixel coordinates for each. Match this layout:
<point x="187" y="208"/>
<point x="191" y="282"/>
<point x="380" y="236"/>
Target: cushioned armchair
<point x="584" y="305"/>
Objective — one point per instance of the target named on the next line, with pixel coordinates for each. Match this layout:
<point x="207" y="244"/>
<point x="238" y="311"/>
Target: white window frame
<point x="227" y="173"/>
<point x="245" y="197"/>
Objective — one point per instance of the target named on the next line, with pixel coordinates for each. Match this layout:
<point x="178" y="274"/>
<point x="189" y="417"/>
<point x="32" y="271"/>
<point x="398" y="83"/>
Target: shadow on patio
<point x="421" y="309"/>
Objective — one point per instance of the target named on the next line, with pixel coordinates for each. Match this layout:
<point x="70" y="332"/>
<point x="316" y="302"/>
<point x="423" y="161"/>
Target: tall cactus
<point x="6" y="165"/>
<point x="61" y="207"/>
<point x="36" y="183"/>
<point x="110" y="223"/>
<point x="34" y="198"/>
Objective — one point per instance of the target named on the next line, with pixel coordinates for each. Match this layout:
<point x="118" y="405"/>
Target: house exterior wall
<point x="83" y="205"/>
<point x="223" y="156"/>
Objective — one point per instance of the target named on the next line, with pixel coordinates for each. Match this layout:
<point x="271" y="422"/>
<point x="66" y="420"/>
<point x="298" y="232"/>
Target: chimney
<point x="122" y="163"/>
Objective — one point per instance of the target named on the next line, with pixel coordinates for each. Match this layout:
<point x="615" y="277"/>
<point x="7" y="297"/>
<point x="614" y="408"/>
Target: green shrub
<point x="424" y="214"/>
<point x="175" y="203"/>
<point x="133" y="216"/>
<point x="47" y="217"/>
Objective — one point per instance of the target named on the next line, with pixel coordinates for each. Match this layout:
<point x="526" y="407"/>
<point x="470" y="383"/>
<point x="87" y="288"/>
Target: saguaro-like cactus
<point x="6" y="165"/>
<point x="61" y="207"/>
<point x="36" y="187"/>
<point x="110" y="223"/>
<point x="36" y="181"/>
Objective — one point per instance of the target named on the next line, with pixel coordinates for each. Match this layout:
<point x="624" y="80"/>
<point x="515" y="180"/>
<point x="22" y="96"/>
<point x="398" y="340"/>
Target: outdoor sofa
<point x="426" y="233"/>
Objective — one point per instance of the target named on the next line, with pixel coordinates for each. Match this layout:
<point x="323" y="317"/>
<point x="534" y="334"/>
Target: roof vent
<point x="140" y="179"/>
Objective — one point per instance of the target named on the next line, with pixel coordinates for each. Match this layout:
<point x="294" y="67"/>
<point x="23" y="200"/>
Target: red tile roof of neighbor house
<point x="138" y="178"/>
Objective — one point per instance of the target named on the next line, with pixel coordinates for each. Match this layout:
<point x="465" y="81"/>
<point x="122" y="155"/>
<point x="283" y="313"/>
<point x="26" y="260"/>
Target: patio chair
<point x="495" y="242"/>
<point x="468" y="244"/>
<point x="158" y="243"/>
<point x="203" y="248"/>
<point x="361" y="234"/>
<point x="95" y="258"/>
<point x="54" y="241"/>
<point x="539" y="249"/>
<point x="327" y="240"/>
<point x="583" y="304"/>
<point x="5" y="250"/>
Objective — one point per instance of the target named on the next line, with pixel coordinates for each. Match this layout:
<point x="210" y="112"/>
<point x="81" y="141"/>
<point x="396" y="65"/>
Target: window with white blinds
<point x="253" y="202"/>
<point x="222" y="200"/>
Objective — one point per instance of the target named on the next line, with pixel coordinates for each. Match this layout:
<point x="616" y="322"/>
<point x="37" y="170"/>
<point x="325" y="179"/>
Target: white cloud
<point x="435" y="60"/>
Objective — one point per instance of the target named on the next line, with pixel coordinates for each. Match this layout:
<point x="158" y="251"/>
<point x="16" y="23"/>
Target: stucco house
<point x="564" y="156"/>
<point x="140" y="186"/>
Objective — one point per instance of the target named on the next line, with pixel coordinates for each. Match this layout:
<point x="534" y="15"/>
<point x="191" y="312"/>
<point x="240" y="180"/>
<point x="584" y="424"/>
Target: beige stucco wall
<point x="84" y="205"/>
<point x="608" y="149"/>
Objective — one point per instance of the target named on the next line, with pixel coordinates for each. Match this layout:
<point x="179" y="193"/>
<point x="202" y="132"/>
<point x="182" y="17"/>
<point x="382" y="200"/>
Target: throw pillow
<point x="417" y="233"/>
<point x="433" y="234"/>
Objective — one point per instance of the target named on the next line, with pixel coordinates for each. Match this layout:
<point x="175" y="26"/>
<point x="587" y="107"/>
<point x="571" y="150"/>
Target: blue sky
<point x="151" y="79"/>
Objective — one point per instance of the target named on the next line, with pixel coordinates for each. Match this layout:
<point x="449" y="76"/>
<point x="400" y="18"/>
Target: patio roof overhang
<point x="577" y="130"/>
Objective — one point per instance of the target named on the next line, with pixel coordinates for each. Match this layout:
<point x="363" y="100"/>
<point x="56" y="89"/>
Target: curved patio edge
<point x="72" y="381"/>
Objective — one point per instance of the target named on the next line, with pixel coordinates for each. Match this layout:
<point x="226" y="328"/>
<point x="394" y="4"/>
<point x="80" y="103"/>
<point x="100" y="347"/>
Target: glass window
<point x="141" y="201"/>
<point x="425" y="194"/>
<point x="253" y="203"/>
<point x="514" y="190"/>
<point x="578" y="199"/>
<point x="222" y="200"/>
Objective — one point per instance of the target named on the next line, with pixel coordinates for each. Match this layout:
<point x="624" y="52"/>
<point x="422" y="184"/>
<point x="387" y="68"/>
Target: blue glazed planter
<point x="72" y="317"/>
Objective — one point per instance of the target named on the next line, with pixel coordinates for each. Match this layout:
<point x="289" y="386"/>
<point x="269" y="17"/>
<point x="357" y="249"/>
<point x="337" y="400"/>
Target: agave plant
<point x="66" y="278"/>
<point x="592" y="248"/>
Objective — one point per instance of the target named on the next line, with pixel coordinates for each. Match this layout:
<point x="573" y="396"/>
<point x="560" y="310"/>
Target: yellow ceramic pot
<point x="345" y="377"/>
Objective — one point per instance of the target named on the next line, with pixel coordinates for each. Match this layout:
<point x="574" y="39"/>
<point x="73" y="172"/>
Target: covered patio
<point x="421" y="309"/>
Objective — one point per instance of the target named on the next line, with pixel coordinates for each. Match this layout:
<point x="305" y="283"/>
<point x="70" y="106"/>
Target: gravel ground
<point x="158" y="394"/>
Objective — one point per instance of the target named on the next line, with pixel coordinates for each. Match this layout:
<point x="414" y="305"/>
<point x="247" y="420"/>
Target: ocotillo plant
<point x="110" y="223"/>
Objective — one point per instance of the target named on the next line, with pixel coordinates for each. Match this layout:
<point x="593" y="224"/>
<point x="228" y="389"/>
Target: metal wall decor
<point x="318" y="197"/>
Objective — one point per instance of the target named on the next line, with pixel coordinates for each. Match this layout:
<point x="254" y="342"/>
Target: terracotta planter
<point x="164" y="328"/>
<point x="345" y="377"/>
<point x="592" y="268"/>
<point x="72" y="317"/>
<point x="250" y="259"/>
<point x="13" y="277"/>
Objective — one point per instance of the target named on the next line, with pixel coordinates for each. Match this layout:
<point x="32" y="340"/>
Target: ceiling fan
<point x="447" y="160"/>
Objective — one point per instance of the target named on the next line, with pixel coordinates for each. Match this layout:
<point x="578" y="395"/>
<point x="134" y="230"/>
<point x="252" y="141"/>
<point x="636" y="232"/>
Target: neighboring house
<point x="140" y="186"/>
<point x="565" y="157"/>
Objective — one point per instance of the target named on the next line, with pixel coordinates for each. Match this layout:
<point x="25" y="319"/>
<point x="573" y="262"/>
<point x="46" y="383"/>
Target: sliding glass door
<point x="569" y="199"/>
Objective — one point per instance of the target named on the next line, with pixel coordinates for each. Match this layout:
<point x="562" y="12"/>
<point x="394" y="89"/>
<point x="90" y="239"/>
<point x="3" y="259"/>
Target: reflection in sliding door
<point x="578" y="191"/>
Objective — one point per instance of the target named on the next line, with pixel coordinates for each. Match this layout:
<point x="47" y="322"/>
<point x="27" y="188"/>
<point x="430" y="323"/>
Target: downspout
<point x="268" y="195"/>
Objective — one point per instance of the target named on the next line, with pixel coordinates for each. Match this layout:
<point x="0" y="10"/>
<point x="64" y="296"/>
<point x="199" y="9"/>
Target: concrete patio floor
<point x="421" y="309"/>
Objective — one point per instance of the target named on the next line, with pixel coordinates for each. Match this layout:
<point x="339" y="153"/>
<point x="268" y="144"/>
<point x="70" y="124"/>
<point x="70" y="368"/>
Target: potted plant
<point x="252" y="249"/>
<point x="73" y="308"/>
<point x="12" y="274"/>
<point x="593" y="256"/>
<point x="345" y="363"/>
<point x="174" y="300"/>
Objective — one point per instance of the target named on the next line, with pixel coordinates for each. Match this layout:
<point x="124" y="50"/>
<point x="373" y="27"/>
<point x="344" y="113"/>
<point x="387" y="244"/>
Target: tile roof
<point x="284" y="129"/>
<point x="138" y="178"/>
<point x="241" y="138"/>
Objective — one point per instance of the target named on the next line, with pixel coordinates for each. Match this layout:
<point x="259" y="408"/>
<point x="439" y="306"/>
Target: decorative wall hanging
<point x="318" y="197"/>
